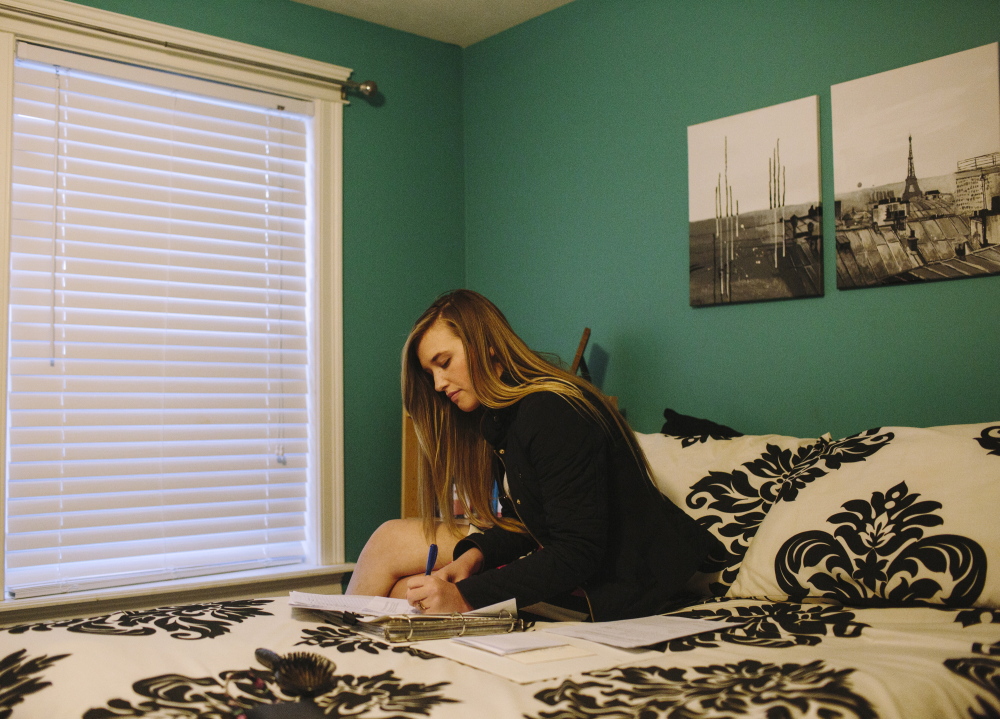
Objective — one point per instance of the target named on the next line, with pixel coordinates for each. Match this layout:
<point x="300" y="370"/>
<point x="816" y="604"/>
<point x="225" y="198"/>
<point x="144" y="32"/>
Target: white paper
<point x="495" y="610"/>
<point x="553" y="654"/>
<point x="513" y="642"/>
<point x="641" y="632"/>
<point x="526" y="667"/>
<point x="357" y="603"/>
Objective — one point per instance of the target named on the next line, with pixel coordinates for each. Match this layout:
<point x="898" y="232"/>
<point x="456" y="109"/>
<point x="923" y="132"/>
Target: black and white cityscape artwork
<point x="754" y="206"/>
<point x="917" y="172"/>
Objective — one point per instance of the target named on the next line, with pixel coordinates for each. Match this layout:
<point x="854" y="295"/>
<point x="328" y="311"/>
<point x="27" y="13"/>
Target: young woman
<point x="582" y="527"/>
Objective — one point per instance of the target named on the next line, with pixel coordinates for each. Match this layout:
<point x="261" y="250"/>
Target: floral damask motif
<point x="344" y="640"/>
<point x="692" y="430"/>
<point x="21" y="676"/>
<point x="235" y="692"/>
<point x="693" y="439"/>
<point x="977" y="615"/>
<point x="749" y="688"/>
<point x="192" y="621"/>
<point x="770" y="625"/>
<point x="989" y="440"/>
<point x="984" y="671"/>
<point x="740" y="500"/>
<point x="878" y="555"/>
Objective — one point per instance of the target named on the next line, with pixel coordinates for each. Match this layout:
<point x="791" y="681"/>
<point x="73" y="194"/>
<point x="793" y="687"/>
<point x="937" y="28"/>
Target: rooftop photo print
<point x="916" y="155"/>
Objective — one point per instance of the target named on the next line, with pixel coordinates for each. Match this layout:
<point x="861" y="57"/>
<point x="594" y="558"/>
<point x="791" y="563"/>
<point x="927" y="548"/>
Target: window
<point x="173" y="323"/>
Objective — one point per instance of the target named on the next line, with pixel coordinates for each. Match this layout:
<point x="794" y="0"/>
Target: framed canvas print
<point x="916" y="163"/>
<point x="754" y="206"/>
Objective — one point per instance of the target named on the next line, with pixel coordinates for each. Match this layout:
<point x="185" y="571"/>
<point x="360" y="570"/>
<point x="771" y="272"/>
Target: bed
<point x="852" y="575"/>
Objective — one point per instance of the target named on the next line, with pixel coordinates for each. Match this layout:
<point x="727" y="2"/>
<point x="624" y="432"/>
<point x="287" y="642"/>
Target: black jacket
<point x="595" y="520"/>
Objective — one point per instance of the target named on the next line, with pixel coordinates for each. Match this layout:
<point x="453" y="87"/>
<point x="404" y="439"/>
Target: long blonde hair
<point x="455" y="459"/>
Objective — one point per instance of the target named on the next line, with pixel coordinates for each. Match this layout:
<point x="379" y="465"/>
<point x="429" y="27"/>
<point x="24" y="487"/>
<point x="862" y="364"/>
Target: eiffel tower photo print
<point x="916" y="156"/>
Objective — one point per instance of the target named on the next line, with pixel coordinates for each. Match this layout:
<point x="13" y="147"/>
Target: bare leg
<point x="396" y="551"/>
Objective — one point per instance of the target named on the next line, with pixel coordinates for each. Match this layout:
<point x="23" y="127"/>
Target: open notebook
<point x="394" y="620"/>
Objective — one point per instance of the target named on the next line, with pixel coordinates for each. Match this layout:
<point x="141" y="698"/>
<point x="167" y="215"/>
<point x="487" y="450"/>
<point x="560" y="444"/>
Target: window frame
<point x="70" y="32"/>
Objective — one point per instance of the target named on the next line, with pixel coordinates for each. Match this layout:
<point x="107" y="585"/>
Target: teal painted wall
<point x="403" y="206"/>
<point x="568" y="206"/>
<point x="576" y="212"/>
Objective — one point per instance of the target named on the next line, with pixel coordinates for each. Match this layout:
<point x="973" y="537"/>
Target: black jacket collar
<point x="495" y="423"/>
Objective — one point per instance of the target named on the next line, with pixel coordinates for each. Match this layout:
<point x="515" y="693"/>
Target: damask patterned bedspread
<point x="779" y="659"/>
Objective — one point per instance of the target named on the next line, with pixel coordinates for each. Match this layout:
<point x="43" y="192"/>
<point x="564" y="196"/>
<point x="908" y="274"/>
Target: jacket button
<point x="500" y="451"/>
<point x="518" y="501"/>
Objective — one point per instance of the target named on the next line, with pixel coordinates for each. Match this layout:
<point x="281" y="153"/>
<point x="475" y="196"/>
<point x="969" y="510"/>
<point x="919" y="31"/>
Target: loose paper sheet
<point x="641" y="632"/>
<point x="512" y="643"/>
<point x="525" y="667"/>
<point x="359" y="604"/>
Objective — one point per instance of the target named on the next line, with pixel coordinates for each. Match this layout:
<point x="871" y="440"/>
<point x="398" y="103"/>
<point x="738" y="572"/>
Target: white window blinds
<point x="159" y="352"/>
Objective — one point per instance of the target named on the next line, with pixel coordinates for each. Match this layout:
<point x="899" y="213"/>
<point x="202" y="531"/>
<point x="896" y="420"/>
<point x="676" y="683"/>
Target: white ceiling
<point x="460" y="22"/>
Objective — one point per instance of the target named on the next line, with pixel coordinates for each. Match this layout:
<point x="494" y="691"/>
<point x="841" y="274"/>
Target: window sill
<point x="238" y="585"/>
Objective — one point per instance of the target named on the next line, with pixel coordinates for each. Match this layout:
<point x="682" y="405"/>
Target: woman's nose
<point x="439" y="383"/>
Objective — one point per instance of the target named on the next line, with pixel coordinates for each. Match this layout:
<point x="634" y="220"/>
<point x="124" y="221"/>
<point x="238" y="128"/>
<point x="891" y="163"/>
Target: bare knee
<point x="391" y="545"/>
<point x="392" y="532"/>
<point x="397" y="548"/>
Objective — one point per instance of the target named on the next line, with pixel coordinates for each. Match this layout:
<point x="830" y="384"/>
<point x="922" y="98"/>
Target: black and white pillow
<point x="728" y="485"/>
<point x="911" y="518"/>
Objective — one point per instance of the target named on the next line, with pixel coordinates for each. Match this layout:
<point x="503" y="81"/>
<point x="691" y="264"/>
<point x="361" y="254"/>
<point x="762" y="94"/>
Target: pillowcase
<point x="727" y="485"/>
<point x="908" y="517"/>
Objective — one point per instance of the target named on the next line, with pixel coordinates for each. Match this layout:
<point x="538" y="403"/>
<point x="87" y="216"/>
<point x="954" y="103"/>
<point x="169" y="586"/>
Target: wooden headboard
<point x="409" y="499"/>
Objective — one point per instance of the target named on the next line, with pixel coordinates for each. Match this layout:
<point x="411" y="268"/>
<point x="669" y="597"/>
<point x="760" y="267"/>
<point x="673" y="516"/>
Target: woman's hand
<point x="433" y="595"/>
<point x="436" y="593"/>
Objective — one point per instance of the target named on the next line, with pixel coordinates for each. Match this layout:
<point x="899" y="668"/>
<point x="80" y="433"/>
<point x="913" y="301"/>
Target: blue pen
<point x="432" y="557"/>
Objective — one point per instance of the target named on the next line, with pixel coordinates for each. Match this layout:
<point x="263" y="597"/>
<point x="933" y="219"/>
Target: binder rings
<point x="415" y="627"/>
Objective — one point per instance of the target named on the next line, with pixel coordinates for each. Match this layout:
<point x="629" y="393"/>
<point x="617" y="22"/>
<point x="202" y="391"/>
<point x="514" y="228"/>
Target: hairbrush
<point x="299" y="674"/>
